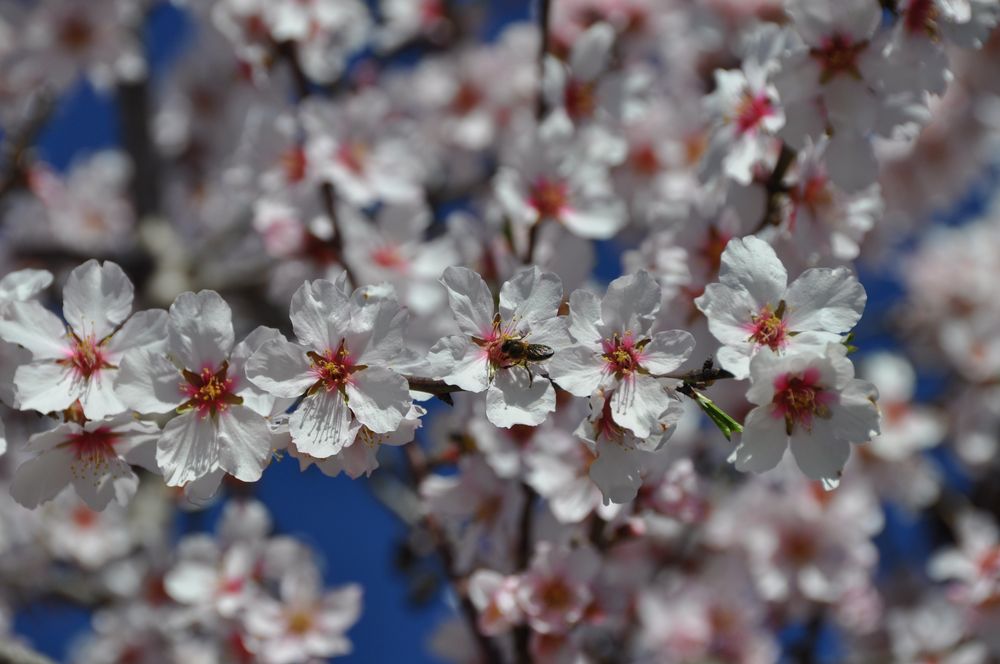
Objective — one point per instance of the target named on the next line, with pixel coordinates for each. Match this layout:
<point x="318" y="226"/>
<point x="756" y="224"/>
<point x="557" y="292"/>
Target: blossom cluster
<point x="596" y="280"/>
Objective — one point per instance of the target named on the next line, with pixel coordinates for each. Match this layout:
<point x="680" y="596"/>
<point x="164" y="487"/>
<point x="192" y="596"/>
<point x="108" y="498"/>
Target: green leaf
<point x="727" y="425"/>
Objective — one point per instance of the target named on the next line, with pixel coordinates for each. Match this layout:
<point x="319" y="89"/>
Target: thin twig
<point x="13" y="166"/>
<point x="775" y="188"/>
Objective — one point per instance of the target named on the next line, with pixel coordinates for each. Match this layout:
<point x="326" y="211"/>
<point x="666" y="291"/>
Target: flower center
<point x="580" y="99"/>
<point x="84" y="517"/>
<point x="549" y="197"/>
<point x="209" y="392"/>
<point x="333" y="368"/>
<point x="87" y="356"/>
<point x="300" y="622"/>
<point x="838" y="55"/>
<point x="555" y="595"/>
<point x="293" y="161"/>
<point x="799" y="397"/>
<point x="76" y="33"/>
<point x="751" y="110"/>
<point x="623" y="354"/>
<point x="921" y="17"/>
<point x="93" y="447"/>
<point x="388" y="256"/>
<point x="768" y="329"/>
<point x="467" y="99"/>
<point x="353" y="156"/>
<point x="644" y="160"/>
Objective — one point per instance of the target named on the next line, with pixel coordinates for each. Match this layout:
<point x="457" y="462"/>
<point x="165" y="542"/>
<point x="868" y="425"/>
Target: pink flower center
<point x="293" y="161"/>
<point x="580" y="99"/>
<point x="94" y="446"/>
<point x="504" y="348"/>
<point x="333" y="368"/>
<point x="644" y="160"/>
<point x="300" y="621"/>
<point x="838" y="55"/>
<point x="388" y="256"/>
<point x="549" y="197"/>
<point x="84" y="517"/>
<point x="799" y="397"/>
<point x="209" y="392"/>
<point x="75" y="33"/>
<point x="623" y="354"/>
<point x="87" y="356"/>
<point x="921" y="17"/>
<point x="768" y="329"/>
<point x="467" y="99"/>
<point x="353" y="156"/>
<point x="752" y="110"/>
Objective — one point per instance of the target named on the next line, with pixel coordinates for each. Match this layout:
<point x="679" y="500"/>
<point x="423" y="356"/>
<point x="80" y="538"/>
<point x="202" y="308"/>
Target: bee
<point x="519" y="354"/>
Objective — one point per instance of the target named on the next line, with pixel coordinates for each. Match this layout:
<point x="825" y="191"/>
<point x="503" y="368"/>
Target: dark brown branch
<point x="776" y="188"/>
<point x="13" y="155"/>
<point x="544" y="7"/>
<point x="134" y="112"/>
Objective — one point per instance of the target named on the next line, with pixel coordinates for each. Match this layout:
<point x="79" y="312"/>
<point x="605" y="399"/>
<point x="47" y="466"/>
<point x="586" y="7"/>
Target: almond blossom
<point x="78" y="361"/>
<point x="501" y="351"/>
<point x="616" y="351"/>
<point x="811" y="402"/>
<point x="197" y="375"/>
<point x="753" y="307"/>
<point x="339" y="367"/>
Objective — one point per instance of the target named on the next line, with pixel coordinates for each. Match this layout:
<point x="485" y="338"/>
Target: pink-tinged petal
<point x="148" y="382"/>
<point x="99" y="484"/>
<point x="458" y="361"/>
<point x="24" y="284"/>
<point x="632" y="303"/>
<point x="98" y="396"/>
<point x="97" y="299"/>
<point x="41" y="479"/>
<point x="825" y="300"/>
<point x="470" y="299"/>
<point x="730" y="312"/>
<point x="244" y="442"/>
<point x="617" y="472"/>
<point x="142" y="329"/>
<point x="763" y="442"/>
<point x="379" y="398"/>
<point x="31" y="325"/>
<point x="319" y="313"/>
<point x="200" y="332"/>
<point x="187" y="449"/>
<point x="281" y="368"/>
<point x="637" y="403"/>
<point x="511" y="400"/>
<point x="667" y="351"/>
<point x="322" y="426"/>
<point x="578" y="370"/>
<point x="46" y="387"/>
<point x="750" y="264"/>
<point x="819" y="454"/>
<point x="530" y="296"/>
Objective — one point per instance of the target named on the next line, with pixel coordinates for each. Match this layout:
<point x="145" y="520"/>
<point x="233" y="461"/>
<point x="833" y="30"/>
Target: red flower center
<point x="752" y="110"/>
<point x="838" y="55"/>
<point x="388" y="256"/>
<point x="209" y="392"/>
<point x="94" y="446"/>
<point x="799" y="397"/>
<point x="75" y="33"/>
<point x="333" y="368"/>
<point x="293" y="161"/>
<point x="580" y="99"/>
<point x="549" y="197"/>
<point x="623" y="354"/>
<point x="921" y="17"/>
<point x="353" y="156"/>
<point x="467" y="98"/>
<point x="768" y="329"/>
<point x="86" y="356"/>
<point x="644" y="160"/>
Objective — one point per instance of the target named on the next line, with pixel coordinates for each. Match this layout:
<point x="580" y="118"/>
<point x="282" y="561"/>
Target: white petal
<point x="578" y="370"/>
<point x="40" y="479"/>
<point x="471" y="300"/>
<point x="46" y="387"/>
<point x="819" y="454"/>
<point x="591" y="50"/>
<point x="595" y="219"/>
<point x="851" y="161"/>
<point x="631" y="303"/>
<point x="856" y="419"/>
<point x="113" y="479"/>
<point x="97" y="299"/>
<point x="24" y="284"/>
<point x="617" y="472"/>
<point x="584" y="315"/>
<point x="530" y="295"/>
<point x="187" y="449"/>
<point x="763" y="442"/>
<point x="667" y="351"/>
<point x="637" y="403"/>
<point x="458" y="361"/>
<point x="824" y="299"/>
<point x="31" y="325"/>
<point x="379" y="398"/>
<point x="148" y="383"/>
<point x="751" y="264"/>
<point x="511" y="400"/>
<point x="144" y="328"/>
<point x="98" y="396"/>
<point x="319" y="313"/>
<point x="244" y="442"/>
<point x="281" y="368"/>
<point x="321" y="426"/>
<point x="730" y="312"/>
<point x="201" y="330"/>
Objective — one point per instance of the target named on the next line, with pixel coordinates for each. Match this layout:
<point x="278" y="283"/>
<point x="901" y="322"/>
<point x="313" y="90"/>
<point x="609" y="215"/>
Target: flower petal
<point x="379" y="398"/>
<point x="97" y="298"/>
<point x="41" y="479"/>
<point x="763" y="442"/>
<point x="46" y="387"/>
<point x="470" y="299"/>
<point x="187" y="449"/>
<point x="577" y="369"/>
<point x="244" y="442"/>
<point x="31" y="325"/>
<point x="825" y="300"/>
<point x="511" y="400"/>
<point x="281" y="368"/>
<point x="200" y="332"/>
<point x="751" y="264"/>
<point x="667" y="350"/>
<point x="147" y="382"/>
<point x="322" y="426"/>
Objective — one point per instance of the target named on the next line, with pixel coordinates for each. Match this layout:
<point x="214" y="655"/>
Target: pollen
<point x="838" y="55"/>
<point x="751" y="111"/>
<point x="768" y="329"/>
<point x="209" y="392"/>
<point x="86" y="356"/>
<point x="799" y="398"/>
<point x="333" y="368"/>
<point x="549" y="197"/>
<point x="623" y="354"/>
